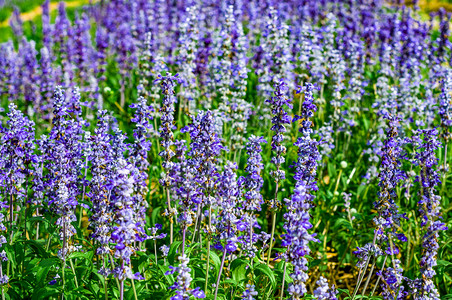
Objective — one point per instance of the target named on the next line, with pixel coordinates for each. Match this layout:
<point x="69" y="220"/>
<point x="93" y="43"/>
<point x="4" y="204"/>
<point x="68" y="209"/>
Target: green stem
<point x="370" y="275"/>
<point x="283" y="281"/>
<point x="219" y="273"/>
<point x="73" y="271"/>
<point x="378" y="279"/>
<point x="273" y="221"/>
<point x="207" y="266"/>
<point x="134" y="290"/>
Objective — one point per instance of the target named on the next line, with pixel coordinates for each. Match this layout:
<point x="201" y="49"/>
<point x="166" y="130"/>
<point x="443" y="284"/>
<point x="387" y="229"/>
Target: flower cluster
<point x="183" y="281"/>
<point x="279" y="120"/>
<point x="297" y="218"/>
<point x="429" y="208"/>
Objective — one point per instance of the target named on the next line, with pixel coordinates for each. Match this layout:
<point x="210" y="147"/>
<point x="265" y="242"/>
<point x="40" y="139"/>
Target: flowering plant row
<point x="226" y="150"/>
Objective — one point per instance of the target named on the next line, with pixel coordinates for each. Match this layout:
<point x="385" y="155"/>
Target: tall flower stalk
<point x="252" y="198"/>
<point x="205" y="149"/>
<point x="229" y="192"/>
<point x="64" y="161"/>
<point x="297" y="217"/>
<point x="279" y="121"/>
<point x="126" y="226"/>
<point x="17" y="154"/>
<point x="430" y="211"/>
<point x="388" y="219"/>
<point x="101" y="157"/>
<point x="168" y="83"/>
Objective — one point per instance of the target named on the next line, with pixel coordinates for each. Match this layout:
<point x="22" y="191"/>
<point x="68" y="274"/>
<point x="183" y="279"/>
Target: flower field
<point x="199" y="149"/>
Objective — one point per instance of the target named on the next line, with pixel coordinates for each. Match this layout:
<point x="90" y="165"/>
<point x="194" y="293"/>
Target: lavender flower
<point x="393" y="282"/>
<point x="252" y="198"/>
<point x="165" y="249"/>
<point x="429" y="208"/>
<point x="388" y="219"/>
<point x="276" y="65"/>
<point x="3" y="277"/>
<point x="46" y="26"/>
<point x="249" y="293"/>
<point x="365" y="253"/>
<point x="323" y="291"/>
<point x="308" y="153"/>
<point x="183" y="281"/>
<point x="205" y="149"/>
<point x="29" y="72"/>
<point x="17" y="155"/>
<point x="47" y="83"/>
<point x="100" y="155"/>
<point x="445" y="110"/>
<point x="186" y="57"/>
<point x="229" y="192"/>
<point x="297" y="218"/>
<point x="139" y="153"/>
<point x="62" y="152"/>
<point x="297" y="237"/>
<point x="391" y="174"/>
<point x="63" y="160"/>
<point x="168" y="84"/>
<point x="280" y="118"/>
<point x="126" y="229"/>
<point x="253" y="182"/>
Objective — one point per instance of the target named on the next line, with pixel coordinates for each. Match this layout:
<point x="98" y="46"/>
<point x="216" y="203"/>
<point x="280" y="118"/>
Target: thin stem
<point x="155" y="252"/>
<point x="219" y="273"/>
<point x="37" y="224"/>
<point x="283" y="281"/>
<point x="83" y="195"/>
<point x="183" y="239"/>
<point x="123" y="97"/>
<point x="62" y="275"/>
<point x="378" y="279"/>
<point x="121" y="286"/>
<point x="368" y="277"/>
<point x="170" y="213"/>
<point x="11" y="215"/>
<point x="273" y="221"/>
<point x="208" y="249"/>
<point x="116" y="279"/>
<point x="105" y="282"/>
<point x="360" y="278"/>
<point x="354" y="169"/>
<point x="134" y="290"/>
<point x="272" y="236"/>
<point x="1" y="274"/>
<point x="121" y="290"/>
<point x="198" y="213"/>
<point x="73" y="271"/>
<point x="207" y="265"/>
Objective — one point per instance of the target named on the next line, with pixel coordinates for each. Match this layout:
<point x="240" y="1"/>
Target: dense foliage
<point x="226" y="150"/>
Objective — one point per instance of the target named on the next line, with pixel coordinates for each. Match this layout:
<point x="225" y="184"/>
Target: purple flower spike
<point x="429" y="208"/>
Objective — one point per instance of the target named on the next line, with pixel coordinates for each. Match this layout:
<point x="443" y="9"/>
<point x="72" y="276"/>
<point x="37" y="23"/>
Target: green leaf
<point x="45" y="293"/>
<point x="263" y="269"/>
<point x="216" y="260"/>
<point x="238" y="269"/>
<point x="169" y="277"/>
<point x="344" y="291"/>
<point x="84" y="255"/>
<point x="360" y="189"/>
<point x="445" y="263"/>
<point x="37" y="248"/>
<point x="173" y="251"/>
